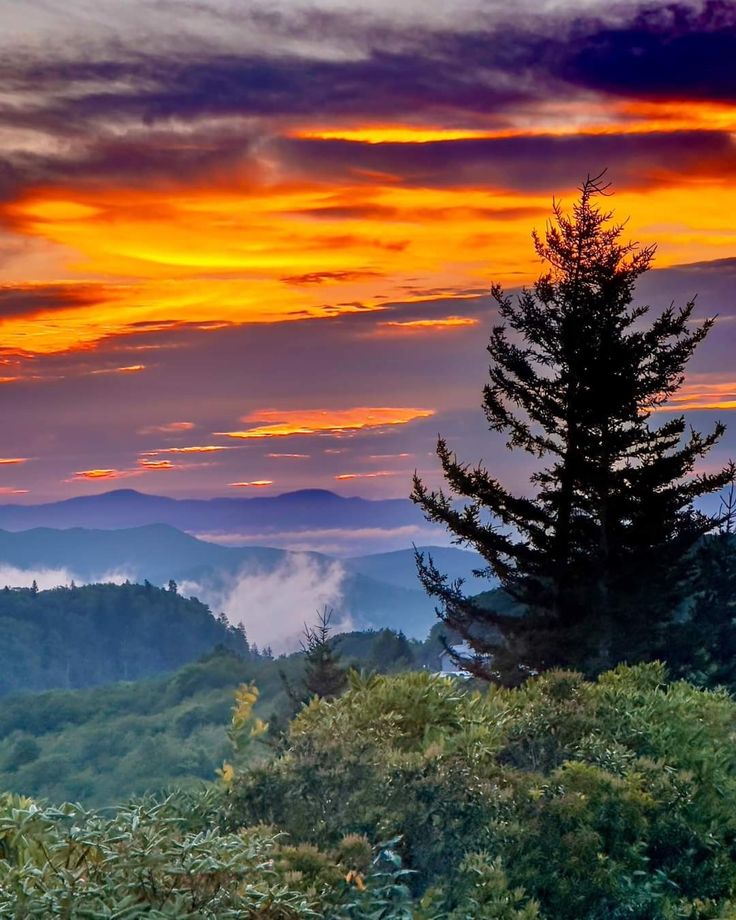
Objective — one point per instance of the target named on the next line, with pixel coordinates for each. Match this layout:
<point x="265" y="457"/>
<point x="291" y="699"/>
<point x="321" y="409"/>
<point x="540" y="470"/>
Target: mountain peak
<point x="310" y="495"/>
<point x="121" y="493"/>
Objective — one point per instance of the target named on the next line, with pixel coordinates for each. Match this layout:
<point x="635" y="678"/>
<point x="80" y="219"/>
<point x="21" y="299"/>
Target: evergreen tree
<point x="599" y="557"/>
<point x="323" y="675"/>
<point x="242" y="636"/>
<point x="391" y="652"/>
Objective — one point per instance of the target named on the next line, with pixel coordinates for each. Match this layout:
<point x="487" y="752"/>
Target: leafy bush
<point x="562" y="799"/>
<point x="159" y="860"/>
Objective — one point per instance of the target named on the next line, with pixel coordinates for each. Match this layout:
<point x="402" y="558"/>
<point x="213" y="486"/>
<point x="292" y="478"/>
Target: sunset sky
<point x="246" y="246"/>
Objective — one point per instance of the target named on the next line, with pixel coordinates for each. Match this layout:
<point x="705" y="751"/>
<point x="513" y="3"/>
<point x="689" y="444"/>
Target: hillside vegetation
<point x="564" y="799"/>
<point x="97" y="634"/>
<point x="101" y="745"/>
<point x="413" y="796"/>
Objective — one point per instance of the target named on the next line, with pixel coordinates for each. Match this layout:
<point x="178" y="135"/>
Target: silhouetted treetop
<point x="597" y="552"/>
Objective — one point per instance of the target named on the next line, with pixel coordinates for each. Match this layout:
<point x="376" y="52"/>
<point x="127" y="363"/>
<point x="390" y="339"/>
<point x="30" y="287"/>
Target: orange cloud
<point x="280" y="247"/>
<point x="555" y="119"/>
<point x="144" y="466"/>
<point x="168" y="428"/>
<point x="156" y="464"/>
<point x="8" y="490"/>
<point x="378" y="474"/>
<point x="196" y="449"/>
<point x="202" y="257"/>
<point x="395" y="134"/>
<point x="13" y="461"/>
<point x="702" y="396"/>
<point x="253" y="484"/>
<point x="422" y="325"/>
<point x="281" y="423"/>
<point x="81" y="475"/>
<point x="130" y="369"/>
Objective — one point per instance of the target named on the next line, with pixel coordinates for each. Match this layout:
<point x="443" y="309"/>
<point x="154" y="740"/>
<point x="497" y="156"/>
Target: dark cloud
<point x="672" y="50"/>
<point x="535" y="163"/>
<point x="156" y="158"/>
<point x="666" y="51"/>
<point x="326" y="277"/>
<point x="450" y="75"/>
<point x="539" y="163"/>
<point x="387" y="212"/>
<point x="386" y="72"/>
<point x="32" y="300"/>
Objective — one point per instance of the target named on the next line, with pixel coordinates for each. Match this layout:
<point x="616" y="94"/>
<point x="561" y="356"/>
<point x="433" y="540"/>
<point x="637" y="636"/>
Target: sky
<point x="245" y="247"/>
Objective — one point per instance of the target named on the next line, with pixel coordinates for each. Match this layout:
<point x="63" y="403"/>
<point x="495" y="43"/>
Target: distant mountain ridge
<point x="304" y="510"/>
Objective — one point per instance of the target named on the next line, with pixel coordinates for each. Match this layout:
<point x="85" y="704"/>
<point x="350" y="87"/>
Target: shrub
<point x="564" y="798"/>
<point x="158" y="860"/>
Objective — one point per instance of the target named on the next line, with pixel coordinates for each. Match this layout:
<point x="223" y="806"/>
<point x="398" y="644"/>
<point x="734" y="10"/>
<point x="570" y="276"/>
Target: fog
<point x="274" y="606"/>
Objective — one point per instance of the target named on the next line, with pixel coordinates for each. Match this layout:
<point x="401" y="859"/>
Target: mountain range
<point x="263" y="517"/>
<point x="375" y="590"/>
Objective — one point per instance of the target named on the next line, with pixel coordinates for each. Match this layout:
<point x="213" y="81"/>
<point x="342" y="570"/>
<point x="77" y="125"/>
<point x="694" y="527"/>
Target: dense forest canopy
<point x="96" y="634"/>
<point x="100" y="745"/>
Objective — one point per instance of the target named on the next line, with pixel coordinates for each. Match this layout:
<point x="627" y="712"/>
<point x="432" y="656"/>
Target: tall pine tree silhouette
<point x="598" y="556"/>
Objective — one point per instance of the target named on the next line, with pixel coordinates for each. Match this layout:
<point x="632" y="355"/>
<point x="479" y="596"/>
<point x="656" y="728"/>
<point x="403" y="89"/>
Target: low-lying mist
<point x="273" y="606"/>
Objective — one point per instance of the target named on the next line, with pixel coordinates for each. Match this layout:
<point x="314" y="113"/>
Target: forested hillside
<point x="97" y="634"/>
<point x="100" y="745"/>
<point x="103" y="744"/>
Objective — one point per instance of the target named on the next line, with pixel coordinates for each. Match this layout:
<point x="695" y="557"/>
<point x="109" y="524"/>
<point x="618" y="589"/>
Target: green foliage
<point x="101" y="745"/>
<point x="323" y="675"/>
<point x="153" y="860"/>
<point x="81" y="637"/>
<point x="104" y="744"/>
<point x="563" y="799"/>
<point x="703" y="647"/>
<point x="393" y="652"/>
<point x="485" y="893"/>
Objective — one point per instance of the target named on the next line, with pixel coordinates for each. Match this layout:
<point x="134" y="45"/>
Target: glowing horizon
<point x="322" y="229"/>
